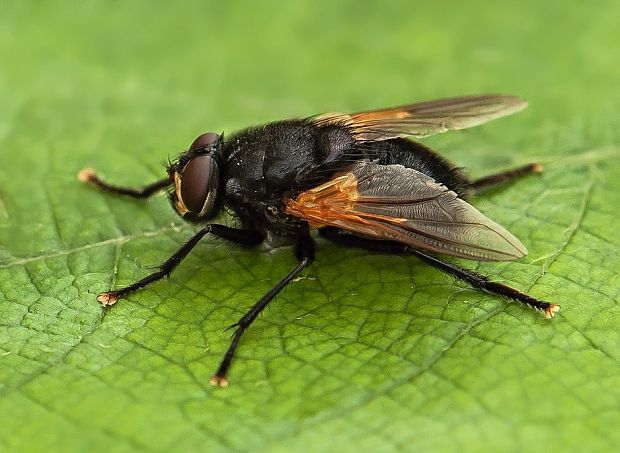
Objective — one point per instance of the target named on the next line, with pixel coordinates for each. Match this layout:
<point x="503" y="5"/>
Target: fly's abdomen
<point x="414" y="155"/>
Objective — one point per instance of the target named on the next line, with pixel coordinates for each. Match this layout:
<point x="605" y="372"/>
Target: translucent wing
<point x="396" y="203"/>
<point x="425" y="118"/>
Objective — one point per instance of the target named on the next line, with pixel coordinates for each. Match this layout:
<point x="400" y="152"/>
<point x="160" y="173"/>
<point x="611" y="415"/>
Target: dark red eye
<point x="204" y="141"/>
<point x="195" y="182"/>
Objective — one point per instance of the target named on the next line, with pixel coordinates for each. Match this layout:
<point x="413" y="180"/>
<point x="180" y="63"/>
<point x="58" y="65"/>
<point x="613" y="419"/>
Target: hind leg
<point x="472" y="278"/>
<point x="496" y="179"/>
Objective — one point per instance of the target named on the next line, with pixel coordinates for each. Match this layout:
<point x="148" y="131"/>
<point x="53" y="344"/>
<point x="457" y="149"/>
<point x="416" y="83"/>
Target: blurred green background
<point x="366" y="351"/>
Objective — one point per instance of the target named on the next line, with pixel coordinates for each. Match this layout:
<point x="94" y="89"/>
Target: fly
<point x="355" y="177"/>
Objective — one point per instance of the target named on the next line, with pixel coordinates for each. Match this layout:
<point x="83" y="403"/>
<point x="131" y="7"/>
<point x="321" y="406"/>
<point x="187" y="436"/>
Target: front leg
<point x="243" y="237"/>
<point x="88" y="176"/>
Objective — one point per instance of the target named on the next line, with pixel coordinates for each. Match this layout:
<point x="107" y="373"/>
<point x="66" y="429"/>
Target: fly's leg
<point x="481" y="282"/>
<point x="243" y="237"/>
<point x="305" y="253"/>
<point x="470" y="277"/>
<point x="89" y="176"/>
<point x="503" y="177"/>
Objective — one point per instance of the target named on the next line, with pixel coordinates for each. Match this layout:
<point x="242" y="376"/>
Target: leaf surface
<point x="365" y="351"/>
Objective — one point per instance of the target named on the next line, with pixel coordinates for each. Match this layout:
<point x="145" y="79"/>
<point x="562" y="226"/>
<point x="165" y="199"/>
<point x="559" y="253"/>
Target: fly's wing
<point x="392" y="202"/>
<point x="424" y="118"/>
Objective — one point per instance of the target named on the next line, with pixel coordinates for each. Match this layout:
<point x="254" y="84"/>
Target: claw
<point x="537" y="168"/>
<point x="219" y="381"/>
<point x="87" y="175"/>
<point x="108" y="298"/>
<point x="551" y="310"/>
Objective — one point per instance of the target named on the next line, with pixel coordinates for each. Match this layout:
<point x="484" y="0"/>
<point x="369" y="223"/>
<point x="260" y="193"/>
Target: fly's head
<point x="197" y="193"/>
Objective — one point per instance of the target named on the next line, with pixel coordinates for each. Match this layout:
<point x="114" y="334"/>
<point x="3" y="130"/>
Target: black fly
<point x="354" y="177"/>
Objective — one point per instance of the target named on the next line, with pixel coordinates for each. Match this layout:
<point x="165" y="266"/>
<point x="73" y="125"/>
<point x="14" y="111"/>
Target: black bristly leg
<point x="243" y="237"/>
<point x="305" y="253"/>
<point x="479" y="281"/>
<point x="496" y="179"/>
<point x="89" y="176"/>
<point x="470" y="277"/>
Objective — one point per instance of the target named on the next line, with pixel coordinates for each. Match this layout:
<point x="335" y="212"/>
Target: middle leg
<point x="305" y="253"/>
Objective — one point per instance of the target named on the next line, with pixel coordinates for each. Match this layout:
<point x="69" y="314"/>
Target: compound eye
<point x="197" y="182"/>
<point x="204" y="141"/>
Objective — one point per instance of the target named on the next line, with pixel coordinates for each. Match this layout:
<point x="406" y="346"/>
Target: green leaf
<point x="365" y="351"/>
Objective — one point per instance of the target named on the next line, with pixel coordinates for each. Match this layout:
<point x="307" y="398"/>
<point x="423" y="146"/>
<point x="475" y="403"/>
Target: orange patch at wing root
<point x="333" y="204"/>
<point x="322" y="205"/>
